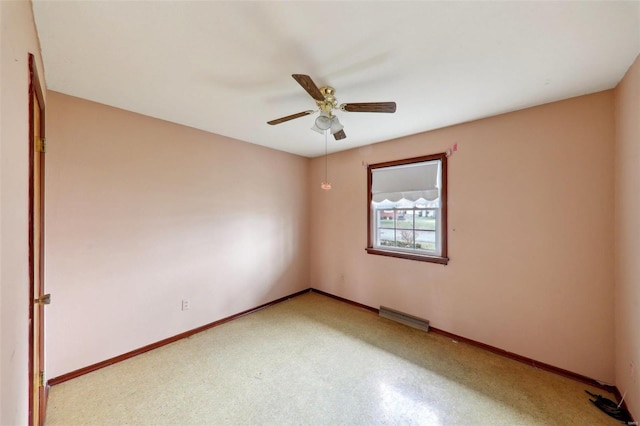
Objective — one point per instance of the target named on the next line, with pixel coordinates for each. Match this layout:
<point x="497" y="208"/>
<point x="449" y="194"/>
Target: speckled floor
<point x="313" y="360"/>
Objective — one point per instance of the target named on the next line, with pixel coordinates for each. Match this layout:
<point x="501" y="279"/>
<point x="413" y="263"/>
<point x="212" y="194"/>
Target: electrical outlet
<point x="185" y="304"/>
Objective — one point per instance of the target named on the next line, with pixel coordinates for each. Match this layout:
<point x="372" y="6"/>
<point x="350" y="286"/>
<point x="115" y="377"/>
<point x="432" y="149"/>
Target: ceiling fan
<point x="327" y="102"/>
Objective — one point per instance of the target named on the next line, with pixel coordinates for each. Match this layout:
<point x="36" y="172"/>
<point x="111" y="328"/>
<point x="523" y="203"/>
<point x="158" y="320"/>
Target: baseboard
<point x="88" y="369"/>
<point x="523" y="359"/>
<point x="342" y="299"/>
<point x="541" y="365"/>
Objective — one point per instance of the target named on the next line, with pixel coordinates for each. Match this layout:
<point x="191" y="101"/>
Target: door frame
<point x="35" y="90"/>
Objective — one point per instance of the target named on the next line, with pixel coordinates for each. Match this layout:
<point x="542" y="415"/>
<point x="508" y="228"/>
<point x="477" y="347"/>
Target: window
<point x="408" y="209"/>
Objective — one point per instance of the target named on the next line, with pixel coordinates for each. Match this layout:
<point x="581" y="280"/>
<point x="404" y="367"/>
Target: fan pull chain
<point x="325" y="185"/>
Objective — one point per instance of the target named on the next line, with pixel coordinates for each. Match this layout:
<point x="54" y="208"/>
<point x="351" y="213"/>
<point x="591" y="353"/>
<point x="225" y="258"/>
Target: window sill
<point x="410" y="256"/>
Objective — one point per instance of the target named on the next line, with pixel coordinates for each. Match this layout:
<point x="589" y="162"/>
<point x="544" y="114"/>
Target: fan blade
<point x="289" y="117"/>
<point x="339" y="135"/>
<point x="370" y="107"/>
<point x="308" y="85"/>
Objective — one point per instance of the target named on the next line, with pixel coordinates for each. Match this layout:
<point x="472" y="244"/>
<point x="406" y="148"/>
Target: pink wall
<point x="530" y="234"/>
<point x="627" y="237"/>
<point x="19" y="38"/>
<point x="142" y="213"/>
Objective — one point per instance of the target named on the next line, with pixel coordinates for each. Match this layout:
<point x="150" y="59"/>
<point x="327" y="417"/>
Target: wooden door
<point x="38" y="299"/>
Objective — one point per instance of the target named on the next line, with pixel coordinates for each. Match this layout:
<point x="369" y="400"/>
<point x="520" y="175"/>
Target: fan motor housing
<point x="329" y="101"/>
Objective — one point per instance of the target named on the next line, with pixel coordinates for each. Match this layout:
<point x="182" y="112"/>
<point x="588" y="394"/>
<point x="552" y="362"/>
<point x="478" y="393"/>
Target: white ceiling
<point x="225" y="67"/>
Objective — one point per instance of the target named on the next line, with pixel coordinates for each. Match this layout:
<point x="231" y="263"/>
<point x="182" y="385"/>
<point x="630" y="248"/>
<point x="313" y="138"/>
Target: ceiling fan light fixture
<point x="323" y="122"/>
<point x="336" y="126"/>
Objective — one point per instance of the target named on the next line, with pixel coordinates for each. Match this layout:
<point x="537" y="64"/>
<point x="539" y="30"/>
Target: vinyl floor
<point x="314" y="360"/>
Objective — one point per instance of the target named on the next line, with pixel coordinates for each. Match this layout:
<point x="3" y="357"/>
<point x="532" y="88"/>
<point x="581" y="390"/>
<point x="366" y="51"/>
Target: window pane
<point x="385" y="218"/>
<point x="404" y="219"/>
<point x="426" y="240"/>
<point x="425" y="220"/>
<point x="405" y="238"/>
<point x="386" y="237"/>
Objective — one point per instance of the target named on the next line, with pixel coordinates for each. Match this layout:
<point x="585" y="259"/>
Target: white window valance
<point x="410" y="182"/>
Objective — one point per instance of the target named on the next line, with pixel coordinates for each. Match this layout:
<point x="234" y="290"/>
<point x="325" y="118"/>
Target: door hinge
<point x="41" y="145"/>
<point x="45" y="299"/>
<point x="41" y="379"/>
